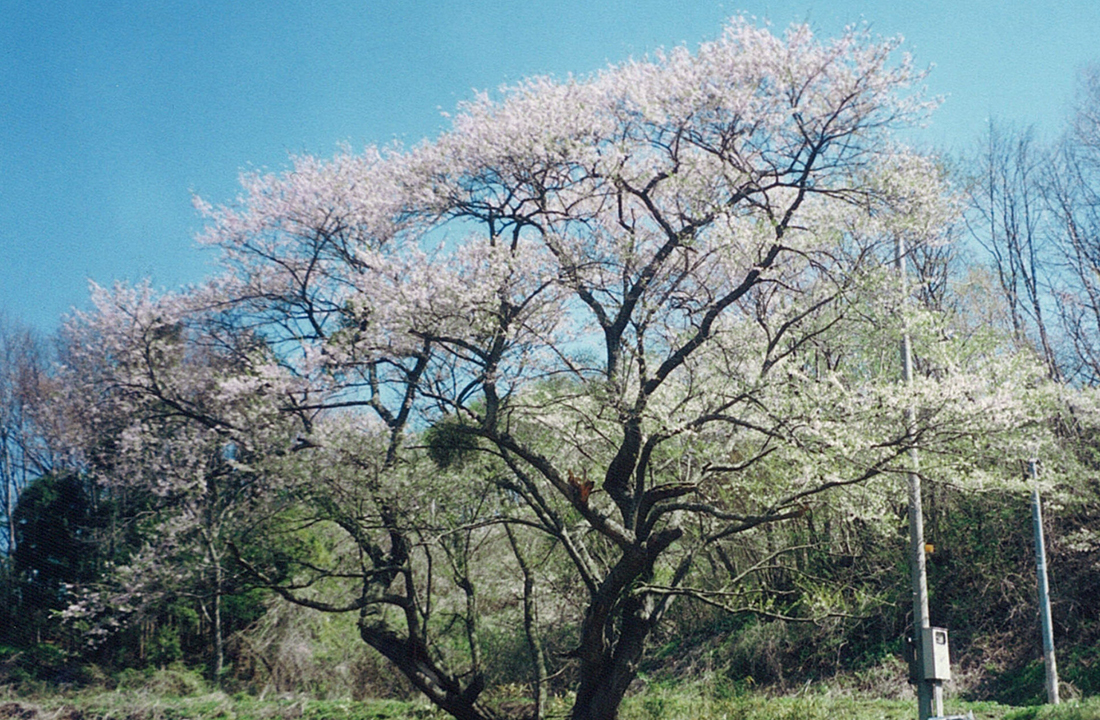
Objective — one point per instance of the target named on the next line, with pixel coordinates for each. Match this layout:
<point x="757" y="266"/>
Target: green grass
<point x="674" y="704"/>
<point x="120" y="705"/>
<point x="1088" y="709"/>
<point x="178" y="695"/>
<point x="677" y="705"/>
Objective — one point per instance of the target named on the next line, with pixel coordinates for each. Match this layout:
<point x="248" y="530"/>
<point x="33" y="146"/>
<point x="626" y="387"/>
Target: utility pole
<point x="1049" y="660"/>
<point x="929" y="692"/>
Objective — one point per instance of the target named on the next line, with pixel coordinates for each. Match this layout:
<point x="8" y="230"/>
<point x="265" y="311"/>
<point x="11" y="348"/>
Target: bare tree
<point x="1073" y="194"/>
<point x="25" y="449"/>
<point x="1008" y="216"/>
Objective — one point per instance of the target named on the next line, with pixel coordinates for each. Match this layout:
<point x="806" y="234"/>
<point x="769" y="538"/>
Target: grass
<point x="218" y="706"/>
<point x="181" y="694"/>
<point x="176" y="695"/>
<point x="119" y="705"/>
<point x="675" y="703"/>
<point x="1088" y="709"/>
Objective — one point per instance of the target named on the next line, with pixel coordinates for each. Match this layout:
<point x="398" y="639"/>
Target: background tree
<point x="55" y="523"/>
<point x="1010" y="223"/>
<point x="167" y="413"/>
<point x="1072" y="193"/>
<point x="31" y="453"/>
<point x="1033" y="210"/>
<point x="24" y="449"/>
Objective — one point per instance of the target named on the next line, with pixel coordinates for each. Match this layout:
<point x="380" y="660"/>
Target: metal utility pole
<point x="1044" y="589"/>
<point x="929" y="692"/>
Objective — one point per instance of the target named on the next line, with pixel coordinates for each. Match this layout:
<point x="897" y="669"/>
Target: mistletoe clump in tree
<point x="627" y="303"/>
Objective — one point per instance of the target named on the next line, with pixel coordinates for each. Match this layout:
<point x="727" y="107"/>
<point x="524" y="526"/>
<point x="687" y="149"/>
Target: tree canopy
<point x="598" y="330"/>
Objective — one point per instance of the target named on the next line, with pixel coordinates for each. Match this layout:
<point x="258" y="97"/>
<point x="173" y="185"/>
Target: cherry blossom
<point x="638" y="297"/>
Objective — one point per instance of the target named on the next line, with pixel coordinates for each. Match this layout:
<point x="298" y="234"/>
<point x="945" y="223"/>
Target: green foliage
<point x="34" y="662"/>
<point x="698" y="700"/>
<point x="982" y="580"/>
<point x="174" y="681"/>
<point x="1080" y="666"/>
<point x="981" y="575"/>
<point x="450" y="442"/>
<point x="54" y="525"/>
<point x="164" y="646"/>
<point x="1022" y="685"/>
<point x="369" y="710"/>
<point x="68" y="532"/>
<point x="1026" y="684"/>
<point x="506" y="653"/>
<point x="1074" y="710"/>
<point x="176" y="693"/>
<point x="179" y="695"/>
<point x="293" y="650"/>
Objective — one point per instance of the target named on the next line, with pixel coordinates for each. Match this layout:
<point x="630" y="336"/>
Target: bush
<point x="42" y="662"/>
<point x="175" y="681"/>
<point x="1076" y="710"/>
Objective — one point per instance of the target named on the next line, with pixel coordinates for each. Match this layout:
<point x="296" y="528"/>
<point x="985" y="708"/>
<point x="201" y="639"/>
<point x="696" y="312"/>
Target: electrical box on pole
<point x="935" y="657"/>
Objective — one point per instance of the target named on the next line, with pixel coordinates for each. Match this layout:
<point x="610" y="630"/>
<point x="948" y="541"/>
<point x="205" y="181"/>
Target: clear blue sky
<point x="113" y="112"/>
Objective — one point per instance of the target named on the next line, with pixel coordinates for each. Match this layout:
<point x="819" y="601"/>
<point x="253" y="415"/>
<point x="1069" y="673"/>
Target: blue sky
<point x="112" y="113"/>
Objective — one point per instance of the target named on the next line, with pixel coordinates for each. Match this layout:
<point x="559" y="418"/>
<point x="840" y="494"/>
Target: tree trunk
<point x="616" y="628"/>
<point x="605" y="679"/>
<point x="7" y="477"/>
<point x="219" y="641"/>
<point x="530" y="629"/>
<point x="412" y="659"/>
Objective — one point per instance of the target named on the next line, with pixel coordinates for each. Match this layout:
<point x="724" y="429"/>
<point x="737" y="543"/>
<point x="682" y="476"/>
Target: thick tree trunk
<point x="615" y="630"/>
<point x="605" y="679"/>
